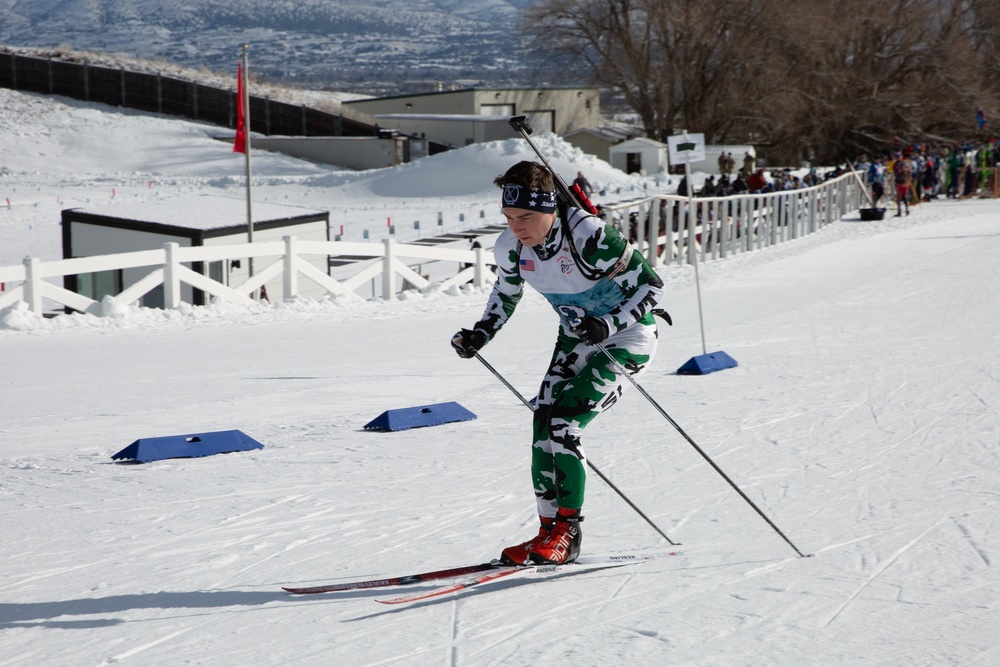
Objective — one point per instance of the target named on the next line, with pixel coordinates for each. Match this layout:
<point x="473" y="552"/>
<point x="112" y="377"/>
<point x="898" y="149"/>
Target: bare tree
<point x="983" y="28"/>
<point x="678" y="64"/>
<point x="876" y="77"/>
<point x="814" y="79"/>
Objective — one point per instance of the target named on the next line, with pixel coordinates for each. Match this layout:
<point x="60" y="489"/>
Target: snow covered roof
<point x="610" y="134"/>
<point x="199" y="213"/>
<point x="643" y="142"/>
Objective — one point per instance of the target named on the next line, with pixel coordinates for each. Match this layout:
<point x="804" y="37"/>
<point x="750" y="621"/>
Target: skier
<point x="604" y="292"/>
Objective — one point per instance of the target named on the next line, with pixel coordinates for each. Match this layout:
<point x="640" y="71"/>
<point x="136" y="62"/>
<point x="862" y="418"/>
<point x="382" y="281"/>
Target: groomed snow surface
<point x="862" y="419"/>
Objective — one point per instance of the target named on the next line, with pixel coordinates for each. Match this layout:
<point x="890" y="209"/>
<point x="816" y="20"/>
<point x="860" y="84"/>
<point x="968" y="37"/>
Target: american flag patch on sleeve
<point x="527" y="264"/>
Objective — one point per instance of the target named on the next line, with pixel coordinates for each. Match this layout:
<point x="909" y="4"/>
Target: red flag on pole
<point x="240" y="144"/>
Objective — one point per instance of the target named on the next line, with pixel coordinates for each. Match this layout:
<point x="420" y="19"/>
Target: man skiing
<point x="604" y="292"/>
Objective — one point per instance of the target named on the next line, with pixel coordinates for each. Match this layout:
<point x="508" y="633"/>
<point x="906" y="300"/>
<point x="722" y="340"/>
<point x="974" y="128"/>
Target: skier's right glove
<point x="592" y="330"/>
<point x="467" y="342"/>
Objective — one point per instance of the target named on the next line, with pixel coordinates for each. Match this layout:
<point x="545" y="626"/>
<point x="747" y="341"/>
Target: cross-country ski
<point x="393" y="581"/>
<point x="486" y="569"/>
<point x="581" y="565"/>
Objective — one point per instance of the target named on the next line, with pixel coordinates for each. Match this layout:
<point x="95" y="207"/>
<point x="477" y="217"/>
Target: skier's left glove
<point x="592" y="330"/>
<point x="468" y="342"/>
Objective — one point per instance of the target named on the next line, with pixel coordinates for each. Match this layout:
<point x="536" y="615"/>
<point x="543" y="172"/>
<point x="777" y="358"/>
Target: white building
<point x="598" y="141"/>
<point x="639" y="156"/>
<point x="201" y="220"/>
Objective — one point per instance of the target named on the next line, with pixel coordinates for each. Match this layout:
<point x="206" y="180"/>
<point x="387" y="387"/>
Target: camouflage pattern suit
<point x="584" y="267"/>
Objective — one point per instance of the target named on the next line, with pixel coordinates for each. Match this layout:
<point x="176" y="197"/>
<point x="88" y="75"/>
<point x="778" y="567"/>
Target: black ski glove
<point x="592" y="330"/>
<point x="469" y="341"/>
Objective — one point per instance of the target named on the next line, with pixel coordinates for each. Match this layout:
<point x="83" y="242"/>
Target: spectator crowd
<point x="919" y="173"/>
<point x="914" y="174"/>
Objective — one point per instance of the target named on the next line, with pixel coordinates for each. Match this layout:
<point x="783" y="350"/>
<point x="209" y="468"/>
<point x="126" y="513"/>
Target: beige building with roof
<point x="558" y="110"/>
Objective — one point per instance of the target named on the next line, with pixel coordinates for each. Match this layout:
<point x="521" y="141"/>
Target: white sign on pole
<point x="686" y="148"/>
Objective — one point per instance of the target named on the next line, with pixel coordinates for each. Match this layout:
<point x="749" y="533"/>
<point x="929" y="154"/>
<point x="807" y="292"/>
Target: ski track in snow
<point x="879" y="570"/>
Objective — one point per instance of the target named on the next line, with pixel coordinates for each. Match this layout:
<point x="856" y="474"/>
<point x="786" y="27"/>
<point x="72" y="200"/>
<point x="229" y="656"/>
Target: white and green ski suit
<point x="584" y="267"/>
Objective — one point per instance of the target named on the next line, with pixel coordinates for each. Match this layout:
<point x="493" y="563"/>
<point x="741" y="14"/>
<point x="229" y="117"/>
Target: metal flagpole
<point x="246" y="130"/>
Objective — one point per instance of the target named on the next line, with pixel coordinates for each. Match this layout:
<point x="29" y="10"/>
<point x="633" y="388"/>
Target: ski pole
<point x="589" y="463"/>
<point x="697" y="448"/>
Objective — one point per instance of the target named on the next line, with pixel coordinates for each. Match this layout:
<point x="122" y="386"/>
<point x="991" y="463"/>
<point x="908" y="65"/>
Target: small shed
<point x="597" y="141"/>
<point x="640" y="155"/>
<point x="199" y="220"/>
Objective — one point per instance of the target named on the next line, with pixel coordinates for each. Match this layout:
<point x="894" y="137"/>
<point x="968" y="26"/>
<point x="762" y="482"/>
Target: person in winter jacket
<point x="756" y="182"/>
<point x="902" y="172"/>
<point x="581" y="182"/>
<point x="604" y="292"/>
<point x="876" y="180"/>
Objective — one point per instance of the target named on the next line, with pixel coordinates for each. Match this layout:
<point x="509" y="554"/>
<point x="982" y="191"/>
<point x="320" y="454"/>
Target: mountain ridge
<point x="379" y="47"/>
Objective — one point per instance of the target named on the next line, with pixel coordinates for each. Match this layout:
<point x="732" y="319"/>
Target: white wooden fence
<point x="664" y="227"/>
<point x="669" y="231"/>
<point x="167" y="268"/>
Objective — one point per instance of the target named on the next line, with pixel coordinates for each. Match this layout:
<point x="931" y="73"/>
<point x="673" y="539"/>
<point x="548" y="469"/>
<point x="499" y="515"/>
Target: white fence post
<point x="388" y="272"/>
<point x="828" y="206"/>
<point x="32" y="285"/>
<point x="653" y="234"/>
<point x="743" y="206"/>
<point x="796" y="213"/>
<point x="674" y="219"/>
<point x="842" y="198"/>
<point x="812" y="211"/>
<point x="291" y="277"/>
<point x="480" y="270"/>
<point x="171" y="277"/>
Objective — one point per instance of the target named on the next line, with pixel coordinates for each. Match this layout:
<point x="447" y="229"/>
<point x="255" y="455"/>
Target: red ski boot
<point x="518" y="554"/>
<point x="563" y="542"/>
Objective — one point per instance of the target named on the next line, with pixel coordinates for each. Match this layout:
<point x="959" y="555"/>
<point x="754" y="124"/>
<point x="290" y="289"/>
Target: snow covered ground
<point x="862" y="418"/>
